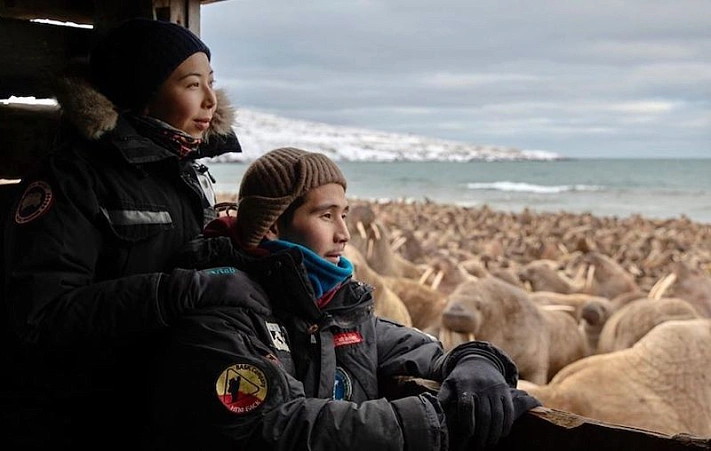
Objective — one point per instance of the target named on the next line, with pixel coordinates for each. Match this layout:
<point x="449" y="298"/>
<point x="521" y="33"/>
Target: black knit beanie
<point x="134" y="59"/>
<point x="275" y="180"/>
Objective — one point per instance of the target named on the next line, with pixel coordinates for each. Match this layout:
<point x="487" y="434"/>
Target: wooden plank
<point x="26" y="132"/>
<point x="80" y="11"/>
<point x="86" y="11"/>
<point x="543" y="428"/>
<point x="183" y="12"/>
<point x="34" y="53"/>
<point x="193" y="19"/>
<point x="77" y="11"/>
<point x="171" y="10"/>
<point x="551" y="429"/>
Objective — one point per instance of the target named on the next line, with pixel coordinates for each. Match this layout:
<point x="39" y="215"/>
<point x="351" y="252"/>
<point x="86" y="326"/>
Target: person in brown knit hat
<point x="303" y="363"/>
<point x="273" y="182"/>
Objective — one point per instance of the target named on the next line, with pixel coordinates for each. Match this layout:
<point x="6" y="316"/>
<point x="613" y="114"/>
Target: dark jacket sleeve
<point x="220" y="387"/>
<point x="405" y="351"/>
<point x="51" y="263"/>
<point x="208" y="252"/>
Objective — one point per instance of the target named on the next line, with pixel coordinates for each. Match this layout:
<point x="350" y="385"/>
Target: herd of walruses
<point x="606" y="317"/>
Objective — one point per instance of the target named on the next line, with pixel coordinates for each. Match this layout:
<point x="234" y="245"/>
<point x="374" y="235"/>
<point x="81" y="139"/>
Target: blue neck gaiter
<point x="323" y="275"/>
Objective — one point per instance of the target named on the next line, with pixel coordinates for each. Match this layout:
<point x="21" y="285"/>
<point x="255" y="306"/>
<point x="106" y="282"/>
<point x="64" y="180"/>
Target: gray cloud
<point x="604" y="78"/>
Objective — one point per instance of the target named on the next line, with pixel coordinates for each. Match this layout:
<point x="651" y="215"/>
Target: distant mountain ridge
<point x="259" y="132"/>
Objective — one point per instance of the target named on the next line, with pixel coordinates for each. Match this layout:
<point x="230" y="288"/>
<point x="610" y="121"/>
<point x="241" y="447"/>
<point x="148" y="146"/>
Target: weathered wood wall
<point x="34" y="53"/>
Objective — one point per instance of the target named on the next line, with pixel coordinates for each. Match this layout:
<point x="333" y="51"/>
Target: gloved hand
<point x="207" y="252"/>
<point x="478" y="403"/>
<point x="186" y="289"/>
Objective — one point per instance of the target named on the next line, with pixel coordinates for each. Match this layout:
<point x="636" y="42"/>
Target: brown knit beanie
<point x="275" y="180"/>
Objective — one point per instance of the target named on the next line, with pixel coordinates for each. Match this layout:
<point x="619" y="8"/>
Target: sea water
<point x="654" y="188"/>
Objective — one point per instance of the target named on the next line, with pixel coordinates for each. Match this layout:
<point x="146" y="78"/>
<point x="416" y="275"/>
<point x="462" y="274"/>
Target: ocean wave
<point x="531" y="188"/>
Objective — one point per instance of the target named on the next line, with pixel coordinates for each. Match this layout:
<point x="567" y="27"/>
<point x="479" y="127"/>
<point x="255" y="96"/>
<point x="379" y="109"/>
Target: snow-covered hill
<point x="259" y="132"/>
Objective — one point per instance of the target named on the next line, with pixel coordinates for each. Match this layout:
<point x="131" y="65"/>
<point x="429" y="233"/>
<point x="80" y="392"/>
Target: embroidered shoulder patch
<point x="241" y="388"/>
<point x="35" y="201"/>
<point x="347" y="338"/>
<point x="342" y="385"/>
<point x="277" y="336"/>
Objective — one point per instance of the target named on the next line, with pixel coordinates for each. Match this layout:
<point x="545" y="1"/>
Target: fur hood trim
<point x="93" y="114"/>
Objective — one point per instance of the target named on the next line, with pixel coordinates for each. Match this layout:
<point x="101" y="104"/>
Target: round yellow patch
<point x="241" y="388"/>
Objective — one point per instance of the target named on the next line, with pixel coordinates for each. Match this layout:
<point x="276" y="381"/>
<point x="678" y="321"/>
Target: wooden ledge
<point x="551" y="429"/>
<point x="547" y="429"/>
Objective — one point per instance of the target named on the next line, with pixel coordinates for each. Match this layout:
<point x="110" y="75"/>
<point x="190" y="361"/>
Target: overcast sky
<point x="582" y="78"/>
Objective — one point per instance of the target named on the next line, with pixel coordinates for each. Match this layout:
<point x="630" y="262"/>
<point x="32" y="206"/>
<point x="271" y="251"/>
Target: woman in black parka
<point x="88" y="243"/>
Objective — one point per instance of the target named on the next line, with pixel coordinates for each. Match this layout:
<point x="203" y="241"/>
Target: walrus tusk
<point x="445" y="337"/>
<point x="565" y="308"/>
<point x="426" y="275"/>
<point x="579" y="277"/>
<point x="589" y="279"/>
<point x="438" y="279"/>
<point x="398" y="243"/>
<point x="361" y="229"/>
<point x="376" y="231"/>
<point x="662" y="285"/>
<point x="369" y="250"/>
<point x="450" y="338"/>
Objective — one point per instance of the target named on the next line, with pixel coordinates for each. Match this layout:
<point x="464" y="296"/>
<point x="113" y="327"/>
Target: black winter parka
<point x="84" y="248"/>
<point x="279" y="373"/>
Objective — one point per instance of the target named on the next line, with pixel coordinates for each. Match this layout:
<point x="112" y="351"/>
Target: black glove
<point x="478" y="403"/>
<point x="207" y="252"/>
<point x="186" y="289"/>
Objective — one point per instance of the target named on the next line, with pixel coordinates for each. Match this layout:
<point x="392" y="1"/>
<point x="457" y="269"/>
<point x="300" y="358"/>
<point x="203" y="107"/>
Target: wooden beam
<point x="26" y="135"/>
<point x="77" y="11"/>
<point x="193" y="19"/>
<point x="551" y="429"/>
<point x="34" y="53"/>
<point x="544" y="428"/>
<point x="109" y="12"/>
<point x="183" y="12"/>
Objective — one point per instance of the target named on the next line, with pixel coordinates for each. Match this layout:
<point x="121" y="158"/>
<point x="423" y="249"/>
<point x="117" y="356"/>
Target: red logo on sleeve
<point x="347" y="338"/>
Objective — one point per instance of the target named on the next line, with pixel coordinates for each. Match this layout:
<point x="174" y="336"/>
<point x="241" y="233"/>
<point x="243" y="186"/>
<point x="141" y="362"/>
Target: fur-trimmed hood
<point x="93" y="114"/>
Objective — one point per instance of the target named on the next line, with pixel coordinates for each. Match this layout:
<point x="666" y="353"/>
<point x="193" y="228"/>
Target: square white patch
<point x="277" y="337"/>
